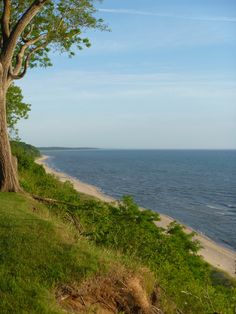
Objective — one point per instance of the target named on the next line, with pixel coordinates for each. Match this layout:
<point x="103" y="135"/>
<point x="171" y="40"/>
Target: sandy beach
<point x="213" y="253"/>
<point x="78" y="185"/>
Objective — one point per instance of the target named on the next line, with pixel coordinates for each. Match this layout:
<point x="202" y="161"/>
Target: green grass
<point x="38" y="253"/>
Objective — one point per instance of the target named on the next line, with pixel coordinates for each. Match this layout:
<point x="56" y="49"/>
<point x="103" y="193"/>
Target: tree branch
<point x="27" y="35"/>
<point x="5" y="21"/>
<point x="13" y="76"/>
<point x="21" y="54"/>
<point x="19" y="28"/>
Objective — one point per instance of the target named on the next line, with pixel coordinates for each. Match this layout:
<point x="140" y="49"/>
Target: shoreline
<point x="215" y="254"/>
<point x="78" y="185"/>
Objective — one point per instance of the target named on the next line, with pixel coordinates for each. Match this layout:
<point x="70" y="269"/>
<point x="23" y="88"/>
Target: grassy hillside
<point x="36" y="255"/>
<point x="55" y="250"/>
<point x="44" y="259"/>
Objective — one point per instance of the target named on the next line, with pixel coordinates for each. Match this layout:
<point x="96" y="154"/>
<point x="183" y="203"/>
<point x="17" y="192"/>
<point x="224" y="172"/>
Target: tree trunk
<point x="8" y="172"/>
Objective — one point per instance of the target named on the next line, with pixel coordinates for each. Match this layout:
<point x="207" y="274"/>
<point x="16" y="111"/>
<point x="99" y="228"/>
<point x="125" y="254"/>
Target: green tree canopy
<point x="48" y="25"/>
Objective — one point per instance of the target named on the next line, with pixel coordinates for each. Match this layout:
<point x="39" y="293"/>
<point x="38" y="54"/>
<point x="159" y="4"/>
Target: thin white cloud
<point x="94" y="88"/>
<point x="183" y="17"/>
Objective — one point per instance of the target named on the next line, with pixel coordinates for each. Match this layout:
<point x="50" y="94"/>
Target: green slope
<point x="38" y="253"/>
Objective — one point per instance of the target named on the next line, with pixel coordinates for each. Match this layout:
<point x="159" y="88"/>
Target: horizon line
<point x="113" y="148"/>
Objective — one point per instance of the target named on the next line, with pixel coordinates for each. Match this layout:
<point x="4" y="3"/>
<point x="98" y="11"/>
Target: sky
<point x="164" y="77"/>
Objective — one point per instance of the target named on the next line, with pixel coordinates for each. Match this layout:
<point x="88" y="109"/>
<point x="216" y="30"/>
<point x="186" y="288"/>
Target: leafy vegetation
<point x="35" y="258"/>
<point x="186" y="282"/>
<point x="41" y="255"/>
<point x="16" y="109"/>
<point x="24" y="151"/>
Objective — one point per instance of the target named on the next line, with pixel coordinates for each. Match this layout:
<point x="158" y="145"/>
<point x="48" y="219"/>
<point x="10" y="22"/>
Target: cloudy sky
<point x="164" y="77"/>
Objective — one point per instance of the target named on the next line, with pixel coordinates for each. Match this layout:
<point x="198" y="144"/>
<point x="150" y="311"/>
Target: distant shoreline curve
<point x="215" y="254"/>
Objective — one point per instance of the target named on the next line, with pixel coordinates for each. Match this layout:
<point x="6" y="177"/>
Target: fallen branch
<point x="52" y="201"/>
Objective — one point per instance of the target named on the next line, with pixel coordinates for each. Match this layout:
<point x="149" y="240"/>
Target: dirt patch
<point x="110" y="294"/>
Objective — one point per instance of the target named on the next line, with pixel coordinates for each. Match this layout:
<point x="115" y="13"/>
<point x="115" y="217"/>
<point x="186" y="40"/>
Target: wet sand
<point x="213" y="253"/>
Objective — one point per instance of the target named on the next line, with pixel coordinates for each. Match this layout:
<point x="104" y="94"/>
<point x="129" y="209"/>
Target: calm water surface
<point x="197" y="188"/>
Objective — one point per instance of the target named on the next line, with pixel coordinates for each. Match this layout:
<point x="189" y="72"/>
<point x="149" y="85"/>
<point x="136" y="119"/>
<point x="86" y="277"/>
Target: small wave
<point x="220" y="213"/>
<point x="214" y="207"/>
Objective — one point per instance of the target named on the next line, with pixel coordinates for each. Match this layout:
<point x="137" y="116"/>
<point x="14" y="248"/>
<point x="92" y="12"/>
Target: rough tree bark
<point x="8" y="172"/>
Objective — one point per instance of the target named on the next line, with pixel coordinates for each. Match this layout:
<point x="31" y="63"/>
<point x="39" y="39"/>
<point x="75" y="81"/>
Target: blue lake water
<point x="197" y="188"/>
